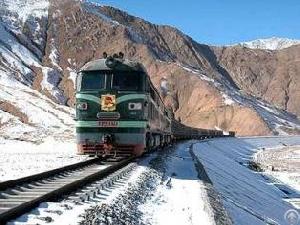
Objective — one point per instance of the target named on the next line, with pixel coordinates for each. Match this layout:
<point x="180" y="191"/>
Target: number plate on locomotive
<point x="108" y="123"/>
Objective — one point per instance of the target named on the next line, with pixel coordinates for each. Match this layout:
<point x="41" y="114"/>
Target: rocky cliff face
<point x="271" y="75"/>
<point x="206" y="86"/>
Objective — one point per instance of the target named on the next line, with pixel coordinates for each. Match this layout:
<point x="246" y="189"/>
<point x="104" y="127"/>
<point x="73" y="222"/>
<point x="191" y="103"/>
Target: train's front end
<point x="110" y="100"/>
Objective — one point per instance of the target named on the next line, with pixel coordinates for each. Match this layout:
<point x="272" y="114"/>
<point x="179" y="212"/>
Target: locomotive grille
<point x="108" y="115"/>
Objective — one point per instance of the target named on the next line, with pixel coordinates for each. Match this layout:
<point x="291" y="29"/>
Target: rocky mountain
<point x="270" y="75"/>
<point x="273" y="43"/>
<point x="230" y="88"/>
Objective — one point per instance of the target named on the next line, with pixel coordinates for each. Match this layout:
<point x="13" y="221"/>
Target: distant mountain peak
<point x="273" y="43"/>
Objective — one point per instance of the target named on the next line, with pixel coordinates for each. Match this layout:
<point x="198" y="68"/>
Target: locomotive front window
<point x="92" y="80"/>
<point x="127" y="81"/>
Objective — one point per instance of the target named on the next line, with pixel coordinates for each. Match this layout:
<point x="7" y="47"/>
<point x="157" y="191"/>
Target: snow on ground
<point x="249" y="197"/>
<point x="34" y="116"/>
<point x="36" y="134"/>
<point x="181" y="198"/>
<point x="163" y="188"/>
<point x="281" y="163"/>
<point x="70" y="213"/>
<point x="20" y="159"/>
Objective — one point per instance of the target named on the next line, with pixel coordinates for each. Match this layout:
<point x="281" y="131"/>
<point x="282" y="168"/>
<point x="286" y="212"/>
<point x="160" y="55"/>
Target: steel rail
<point x="51" y="185"/>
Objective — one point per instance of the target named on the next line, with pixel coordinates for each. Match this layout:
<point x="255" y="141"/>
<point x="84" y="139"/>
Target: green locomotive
<point x="117" y="107"/>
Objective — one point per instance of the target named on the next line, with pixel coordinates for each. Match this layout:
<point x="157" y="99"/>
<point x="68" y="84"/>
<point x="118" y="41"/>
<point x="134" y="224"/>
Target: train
<point x="119" y="111"/>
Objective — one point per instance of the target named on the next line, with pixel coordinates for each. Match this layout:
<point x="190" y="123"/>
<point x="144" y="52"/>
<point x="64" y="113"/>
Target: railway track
<point x="22" y="195"/>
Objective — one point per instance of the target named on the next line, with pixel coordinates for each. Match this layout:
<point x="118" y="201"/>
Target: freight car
<point x="181" y="131"/>
<point x="119" y="110"/>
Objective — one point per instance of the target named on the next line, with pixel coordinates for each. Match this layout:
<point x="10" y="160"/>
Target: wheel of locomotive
<point x="149" y="142"/>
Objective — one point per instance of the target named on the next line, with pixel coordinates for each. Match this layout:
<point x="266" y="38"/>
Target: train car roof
<point x="123" y="65"/>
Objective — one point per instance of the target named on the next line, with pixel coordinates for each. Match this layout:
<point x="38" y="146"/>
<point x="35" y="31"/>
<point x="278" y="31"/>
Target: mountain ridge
<point x="273" y="43"/>
<point x="203" y="88"/>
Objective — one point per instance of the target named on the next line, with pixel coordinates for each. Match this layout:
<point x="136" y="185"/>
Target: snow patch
<point x="273" y="43"/>
<point x="94" y="9"/>
<point x="12" y="45"/>
<point x="51" y="79"/>
<point x="72" y="76"/>
<point x="164" y="86"/>
<point x="201" y="75"/>
<point x="227" y="99"/>
<point x="54" y="57"/>
<point x="28" y="8"/>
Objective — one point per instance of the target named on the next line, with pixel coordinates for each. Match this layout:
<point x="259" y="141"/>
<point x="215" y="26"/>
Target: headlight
<point x="82" y="106"/>
<point x="134" y="106"/>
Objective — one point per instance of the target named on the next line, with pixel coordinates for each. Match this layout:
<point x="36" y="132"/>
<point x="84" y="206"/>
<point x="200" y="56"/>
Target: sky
<point x="220" y="22"/>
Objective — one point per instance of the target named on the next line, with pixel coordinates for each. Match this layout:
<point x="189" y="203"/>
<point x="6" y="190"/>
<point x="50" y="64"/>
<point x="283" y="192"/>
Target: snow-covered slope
<point x="273" y="43"/>
<point x="25" y="113"/>
<point x="23" y="28"/>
